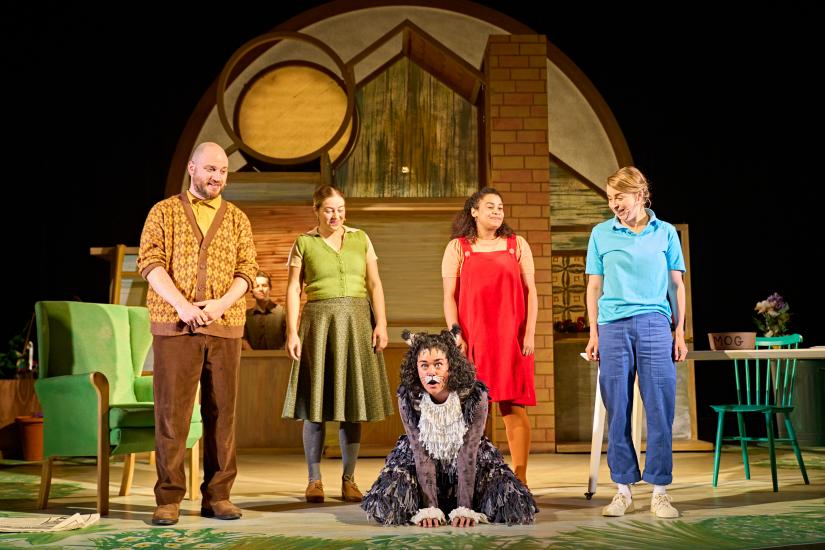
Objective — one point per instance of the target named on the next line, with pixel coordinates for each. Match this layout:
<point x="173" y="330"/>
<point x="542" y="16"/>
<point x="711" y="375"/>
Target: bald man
<point x="197" y="254"/>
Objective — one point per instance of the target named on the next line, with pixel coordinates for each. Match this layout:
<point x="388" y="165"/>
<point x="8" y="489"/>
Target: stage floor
<point x="269" y="489"/>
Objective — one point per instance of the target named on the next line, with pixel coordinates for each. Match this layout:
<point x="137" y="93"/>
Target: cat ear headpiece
<point x="409" y="337"/>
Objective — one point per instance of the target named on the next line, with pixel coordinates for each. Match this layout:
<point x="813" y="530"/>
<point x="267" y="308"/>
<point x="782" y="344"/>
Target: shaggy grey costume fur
<point x="478" y="478"/>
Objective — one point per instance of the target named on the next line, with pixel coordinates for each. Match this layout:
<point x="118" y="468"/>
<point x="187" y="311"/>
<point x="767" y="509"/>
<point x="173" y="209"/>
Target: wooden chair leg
<point x="744" y="444"/>
<point x="194" y="470"/>
<point x="717" y="451"/>
<point x="128" y="474"/>
<point x="103" y="484"/>
<point x="771" y="449"/>
<point x="45" y="483"/>
<point x="151" y="458"/>
<point x="796" y="451"/>
<point x="103" y="449"/>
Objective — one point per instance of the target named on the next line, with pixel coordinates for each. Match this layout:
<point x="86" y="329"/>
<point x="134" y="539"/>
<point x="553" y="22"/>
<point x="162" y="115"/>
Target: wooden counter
<point x="262" y="386"/>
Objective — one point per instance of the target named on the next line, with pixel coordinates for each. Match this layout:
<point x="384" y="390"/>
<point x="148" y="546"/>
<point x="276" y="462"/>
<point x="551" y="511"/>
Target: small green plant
<point x="14" y="360"/>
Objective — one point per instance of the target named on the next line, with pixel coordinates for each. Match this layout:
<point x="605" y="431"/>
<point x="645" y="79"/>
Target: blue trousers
<point x="643" y="344"/>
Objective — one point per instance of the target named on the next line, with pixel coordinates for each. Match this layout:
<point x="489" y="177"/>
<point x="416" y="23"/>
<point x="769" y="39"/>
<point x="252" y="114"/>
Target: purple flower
<point x="772" y="315"/>
<point x="777" y="300"/>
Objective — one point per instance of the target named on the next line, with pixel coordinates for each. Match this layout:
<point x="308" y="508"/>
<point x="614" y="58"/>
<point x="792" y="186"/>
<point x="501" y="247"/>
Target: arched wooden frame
<point x="290" y="28"/>
<point x="256" y="43"/>
<point x="353" y="114"/>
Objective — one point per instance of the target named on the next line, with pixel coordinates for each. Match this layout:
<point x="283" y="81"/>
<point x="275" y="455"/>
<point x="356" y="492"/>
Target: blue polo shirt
<point x="636" y="267"/>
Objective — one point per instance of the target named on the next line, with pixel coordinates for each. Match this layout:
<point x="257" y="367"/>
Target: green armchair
<point x="95" y="401"/>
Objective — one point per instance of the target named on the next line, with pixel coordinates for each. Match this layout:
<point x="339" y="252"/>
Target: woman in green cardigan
<point x="338" y="370"/>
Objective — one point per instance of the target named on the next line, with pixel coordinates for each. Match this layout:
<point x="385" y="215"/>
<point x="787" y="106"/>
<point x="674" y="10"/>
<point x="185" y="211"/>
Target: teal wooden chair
<point x="763" y="387"/>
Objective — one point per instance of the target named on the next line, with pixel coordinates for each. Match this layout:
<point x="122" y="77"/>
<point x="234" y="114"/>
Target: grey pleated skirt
<point x="339" y="376"/>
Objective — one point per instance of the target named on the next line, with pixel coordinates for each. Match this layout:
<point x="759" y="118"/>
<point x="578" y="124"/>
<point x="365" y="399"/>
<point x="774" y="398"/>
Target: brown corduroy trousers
<point x="180" y="363"/>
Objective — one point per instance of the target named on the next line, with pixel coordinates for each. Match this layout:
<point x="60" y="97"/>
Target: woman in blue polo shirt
<point x="634" y="291"/>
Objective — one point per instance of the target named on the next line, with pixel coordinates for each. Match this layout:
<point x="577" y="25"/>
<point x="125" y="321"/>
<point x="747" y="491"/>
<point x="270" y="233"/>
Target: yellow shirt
<point x="204" y="210"/>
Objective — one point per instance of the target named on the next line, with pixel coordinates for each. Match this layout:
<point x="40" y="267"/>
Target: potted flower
<point x="30" y="428"/>
<point x="17" y="372"/>
<point x="772" y="315"/>
<point x="16" y="361"/>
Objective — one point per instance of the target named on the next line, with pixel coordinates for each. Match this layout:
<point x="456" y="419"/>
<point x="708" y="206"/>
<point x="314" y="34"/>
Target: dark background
<point x="721" y="108"/>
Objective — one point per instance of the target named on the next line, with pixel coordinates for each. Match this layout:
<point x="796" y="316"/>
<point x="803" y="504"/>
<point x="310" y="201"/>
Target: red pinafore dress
<point x="492" y="313"/>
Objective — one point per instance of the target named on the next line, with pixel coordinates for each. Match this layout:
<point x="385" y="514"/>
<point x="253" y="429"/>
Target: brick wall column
<point x="518" y="166"/>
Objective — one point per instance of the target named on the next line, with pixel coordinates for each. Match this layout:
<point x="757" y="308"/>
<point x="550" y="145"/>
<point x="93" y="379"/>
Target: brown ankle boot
<point x="315" y="491"/>
<point x="220" y="509"/>
<point x="349" y="490"/>
<point x="166" y="514"/>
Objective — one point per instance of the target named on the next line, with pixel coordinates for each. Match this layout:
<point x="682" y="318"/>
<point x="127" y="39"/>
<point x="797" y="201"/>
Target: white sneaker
<point x="660" y="506"/>
<point x="619" y="507"/>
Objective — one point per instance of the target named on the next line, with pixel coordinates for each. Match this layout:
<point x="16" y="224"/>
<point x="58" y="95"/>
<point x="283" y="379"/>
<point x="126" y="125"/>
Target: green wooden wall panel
<point x="569" y="241"/>
<point x="411" y="120"/>
<point x="572" y="202"/>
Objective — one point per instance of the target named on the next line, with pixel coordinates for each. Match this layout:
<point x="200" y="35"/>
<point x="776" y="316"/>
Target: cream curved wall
<point x="576" y="135"/>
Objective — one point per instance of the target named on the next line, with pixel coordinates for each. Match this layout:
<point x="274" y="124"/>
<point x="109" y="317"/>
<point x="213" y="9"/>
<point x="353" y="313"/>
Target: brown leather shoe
<point x="220" y="509"/>
<point x="349" y="491"/>
<point x="315" y="491"/>
<point x="166" y="514"/>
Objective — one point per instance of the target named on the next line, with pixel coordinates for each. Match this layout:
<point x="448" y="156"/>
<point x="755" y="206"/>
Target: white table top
<point x="802" y="353"/>
<point x="723" y="355"/>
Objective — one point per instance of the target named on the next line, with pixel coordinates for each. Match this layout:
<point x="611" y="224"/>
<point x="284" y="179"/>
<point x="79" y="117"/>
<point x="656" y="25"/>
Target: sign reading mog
<point x="732" y="340"/>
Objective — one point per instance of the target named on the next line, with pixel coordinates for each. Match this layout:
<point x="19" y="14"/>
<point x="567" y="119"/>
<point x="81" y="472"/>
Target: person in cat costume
<point x="444" y="470"/>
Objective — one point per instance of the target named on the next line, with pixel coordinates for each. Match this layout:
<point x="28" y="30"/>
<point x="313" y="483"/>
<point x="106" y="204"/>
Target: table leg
<point x="636" y="422"/>
<point x="599" y="414"/>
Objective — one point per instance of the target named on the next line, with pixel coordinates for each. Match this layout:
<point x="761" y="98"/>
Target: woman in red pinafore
<point x="490" y="291"/>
